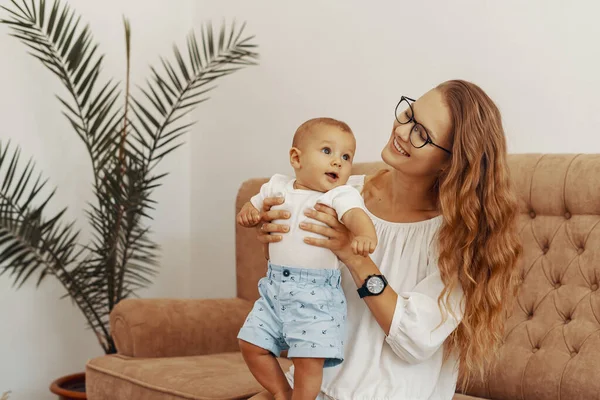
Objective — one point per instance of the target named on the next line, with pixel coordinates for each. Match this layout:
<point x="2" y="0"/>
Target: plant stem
<point x="116" y="297"/>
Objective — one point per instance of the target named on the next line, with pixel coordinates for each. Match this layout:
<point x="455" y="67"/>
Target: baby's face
<point x="326" y="158"/>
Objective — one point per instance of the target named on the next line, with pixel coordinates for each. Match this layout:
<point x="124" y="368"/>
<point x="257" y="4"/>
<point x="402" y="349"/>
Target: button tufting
<point x="594" y="287"/>
<point x="568" y="215"/>
<point x="580" y="250"/>
<point x="535" y="349"/>
<point x="573" y="353"/>
<point x="532" y="214"/>
<point x="557" y="285"/>
<point x="545" y="249"/>
<point x="567" y="320"/>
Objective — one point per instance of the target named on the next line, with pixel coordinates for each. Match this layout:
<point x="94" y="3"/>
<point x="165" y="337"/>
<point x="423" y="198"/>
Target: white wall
<point x="347" y="59"/>
<point x="538" y="59"/>
<point x="41" y="336"/>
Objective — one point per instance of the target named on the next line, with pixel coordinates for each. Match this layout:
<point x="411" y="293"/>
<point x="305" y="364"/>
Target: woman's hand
<point x="266" y="227"/>
<point x="339" y="238"/>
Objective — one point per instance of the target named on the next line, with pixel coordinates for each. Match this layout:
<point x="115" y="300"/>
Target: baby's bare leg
<point x="308" y="376"/>
<point x="266" y="369"/>
<point x="262" y="396"/>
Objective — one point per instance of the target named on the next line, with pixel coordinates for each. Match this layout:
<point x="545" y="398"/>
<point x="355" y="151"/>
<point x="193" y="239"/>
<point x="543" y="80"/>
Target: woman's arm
<point x="413" y="322"/>
<point x="340" y="239"/>
<point x="383" y="306"/>
<point x="419" y="326"/>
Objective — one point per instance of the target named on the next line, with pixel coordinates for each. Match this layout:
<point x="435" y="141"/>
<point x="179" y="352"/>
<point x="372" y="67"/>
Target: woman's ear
<point x="295" y="158"/>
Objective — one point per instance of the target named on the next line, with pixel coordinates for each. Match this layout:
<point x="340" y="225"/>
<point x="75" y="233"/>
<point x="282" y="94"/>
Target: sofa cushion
<point x="217" y="376"/>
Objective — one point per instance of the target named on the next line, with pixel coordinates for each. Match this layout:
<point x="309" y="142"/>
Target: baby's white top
<point x="292" y="251"/>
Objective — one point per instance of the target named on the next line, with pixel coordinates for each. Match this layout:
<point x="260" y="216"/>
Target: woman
<point x="445" y="219"/>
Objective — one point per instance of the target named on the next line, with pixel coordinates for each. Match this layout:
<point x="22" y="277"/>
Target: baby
<point x="302" y="307"/>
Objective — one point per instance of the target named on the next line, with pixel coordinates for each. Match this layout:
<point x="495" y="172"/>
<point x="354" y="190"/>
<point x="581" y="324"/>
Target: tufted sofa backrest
<point x="552" y="341"/>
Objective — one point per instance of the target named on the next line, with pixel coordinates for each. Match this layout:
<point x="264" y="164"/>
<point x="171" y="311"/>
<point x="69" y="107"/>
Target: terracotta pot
<point x="69" y="387"/>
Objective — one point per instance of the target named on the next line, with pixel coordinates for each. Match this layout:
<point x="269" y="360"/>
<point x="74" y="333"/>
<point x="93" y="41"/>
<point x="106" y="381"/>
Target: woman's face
<point x="431" y="112"/>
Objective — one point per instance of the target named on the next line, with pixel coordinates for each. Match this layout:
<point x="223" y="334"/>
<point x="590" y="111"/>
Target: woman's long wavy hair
<point x="478" y="240"/>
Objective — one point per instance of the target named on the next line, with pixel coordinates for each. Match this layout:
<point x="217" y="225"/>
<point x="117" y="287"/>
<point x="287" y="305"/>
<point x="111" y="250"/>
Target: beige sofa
<point x="187" y="349"/>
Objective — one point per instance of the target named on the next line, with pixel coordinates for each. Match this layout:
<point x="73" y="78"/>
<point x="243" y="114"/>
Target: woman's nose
<point x="403" y="131"/>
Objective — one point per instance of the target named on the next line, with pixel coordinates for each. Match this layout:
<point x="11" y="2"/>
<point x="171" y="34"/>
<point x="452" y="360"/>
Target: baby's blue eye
<point x="326" y="150"/>
<point x="346" y="157"/>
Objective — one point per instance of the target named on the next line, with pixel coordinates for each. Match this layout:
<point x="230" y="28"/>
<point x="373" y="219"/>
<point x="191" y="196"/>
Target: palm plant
<point x="125" y="141"/>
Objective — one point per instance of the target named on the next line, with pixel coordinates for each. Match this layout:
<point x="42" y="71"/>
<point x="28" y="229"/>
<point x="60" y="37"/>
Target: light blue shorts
<point x="299" y="310"/>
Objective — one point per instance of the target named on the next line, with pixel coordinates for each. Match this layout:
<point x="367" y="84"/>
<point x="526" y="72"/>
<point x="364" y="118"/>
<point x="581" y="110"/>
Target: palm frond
<point x="65" y="47"/>
<point x="121" y="235"/>
<point x="172" y="94"/>
<point x="29" y="243"/>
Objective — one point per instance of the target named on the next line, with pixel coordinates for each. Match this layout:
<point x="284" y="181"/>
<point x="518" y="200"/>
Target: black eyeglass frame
<point x="412" y="119"/>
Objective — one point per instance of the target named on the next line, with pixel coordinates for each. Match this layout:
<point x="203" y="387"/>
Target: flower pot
<point x="69" y="387"/>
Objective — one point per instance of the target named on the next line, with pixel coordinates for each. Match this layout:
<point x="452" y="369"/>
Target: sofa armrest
<point x="177" y="327"/>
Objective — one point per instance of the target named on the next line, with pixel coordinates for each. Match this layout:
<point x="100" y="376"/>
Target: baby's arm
<point x="361" y="226"/>
<point x="248" y="216"/>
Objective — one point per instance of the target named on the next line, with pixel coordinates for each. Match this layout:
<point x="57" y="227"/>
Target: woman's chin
<point x="390" y="158"/>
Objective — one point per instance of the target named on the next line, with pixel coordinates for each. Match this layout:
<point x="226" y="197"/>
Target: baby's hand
<point x="363" y="245"/>
<point x="248" y="216"/>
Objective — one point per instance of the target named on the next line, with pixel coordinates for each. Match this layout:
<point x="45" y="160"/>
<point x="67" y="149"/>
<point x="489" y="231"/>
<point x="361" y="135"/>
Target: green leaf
<point x="52" y="19"/>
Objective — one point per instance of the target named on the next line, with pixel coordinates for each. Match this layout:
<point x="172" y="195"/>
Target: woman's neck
<point x="401" y="193"/>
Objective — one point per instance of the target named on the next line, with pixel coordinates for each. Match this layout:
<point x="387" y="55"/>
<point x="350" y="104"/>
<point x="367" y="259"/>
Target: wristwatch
<point x="373" y="286"/>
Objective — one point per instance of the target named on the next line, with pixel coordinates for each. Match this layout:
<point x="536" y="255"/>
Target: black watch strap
<point x="363" y="291"/>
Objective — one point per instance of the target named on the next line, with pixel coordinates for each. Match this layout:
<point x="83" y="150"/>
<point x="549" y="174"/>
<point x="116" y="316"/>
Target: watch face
<point x="375" y="285"/>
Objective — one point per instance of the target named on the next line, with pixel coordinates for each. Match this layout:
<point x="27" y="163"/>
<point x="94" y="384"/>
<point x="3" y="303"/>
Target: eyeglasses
<point x="419" y="135"/>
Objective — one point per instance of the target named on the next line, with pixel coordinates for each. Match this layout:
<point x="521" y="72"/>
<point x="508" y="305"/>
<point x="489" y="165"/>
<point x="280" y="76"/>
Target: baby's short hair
<point x="309" y="125"/>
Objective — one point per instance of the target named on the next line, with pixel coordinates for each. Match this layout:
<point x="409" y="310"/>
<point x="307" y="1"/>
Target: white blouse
<point x="407" y="364"/>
